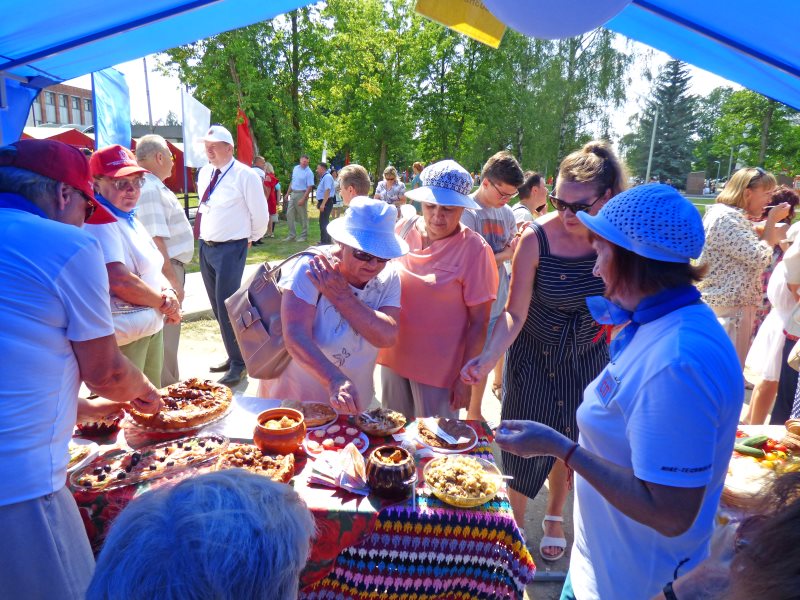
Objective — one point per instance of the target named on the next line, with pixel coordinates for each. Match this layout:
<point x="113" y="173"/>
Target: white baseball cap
<point x="217" y="133"/>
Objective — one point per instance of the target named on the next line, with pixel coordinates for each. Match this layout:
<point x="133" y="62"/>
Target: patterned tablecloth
<point x="371" y="548"/>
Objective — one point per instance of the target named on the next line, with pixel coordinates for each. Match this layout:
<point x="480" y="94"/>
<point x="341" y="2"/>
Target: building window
<point x="62" y="100"/>
<point x="76" y="103"/>
<point x="87" y="105"/>
<point x="50" y="98"/>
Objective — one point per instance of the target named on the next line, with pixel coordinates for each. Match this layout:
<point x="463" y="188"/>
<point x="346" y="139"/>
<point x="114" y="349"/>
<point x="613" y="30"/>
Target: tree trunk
<point x="765" y="125"/>
<point x="381" y="162"/>
<point x="294" y="91"/>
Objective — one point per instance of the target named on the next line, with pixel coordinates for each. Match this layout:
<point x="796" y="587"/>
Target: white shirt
<point x="162" y="215"/>
<point x="341" y="345"/>
<point x="235" y="209"/>
<point x="302" y="178"/>
<point x="55" y="291"/>
<point x="667" y="407"/>
<point x="325" y="183"/>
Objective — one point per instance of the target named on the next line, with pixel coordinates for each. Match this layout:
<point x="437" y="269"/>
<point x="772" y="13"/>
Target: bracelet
<point x="569" y="455"/>
<point x="668" y="592"/>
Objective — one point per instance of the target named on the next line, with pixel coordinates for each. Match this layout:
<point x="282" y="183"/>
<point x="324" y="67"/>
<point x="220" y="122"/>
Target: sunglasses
<point x="501" y="193"/>
<point x="575" y="207"/>
<point x="123" y="184"/>
<point x="759" y="174"/>
<point x="366" y="257"/>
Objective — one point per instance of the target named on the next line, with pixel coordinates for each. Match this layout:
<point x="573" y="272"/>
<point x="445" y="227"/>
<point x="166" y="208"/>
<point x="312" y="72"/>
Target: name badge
<point x="606" y="388"/>
<point x="203" y="208"/>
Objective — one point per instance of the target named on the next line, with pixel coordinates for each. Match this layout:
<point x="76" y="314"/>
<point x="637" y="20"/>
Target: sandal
<point x="549" y="541"/>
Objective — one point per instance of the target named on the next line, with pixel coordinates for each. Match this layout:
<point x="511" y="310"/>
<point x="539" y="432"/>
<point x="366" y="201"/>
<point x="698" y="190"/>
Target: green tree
<point x="674" y="124"/>
<point x="709" y="110"/>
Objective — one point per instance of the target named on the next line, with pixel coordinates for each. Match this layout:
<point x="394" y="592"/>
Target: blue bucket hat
<point x="653" y="221"/>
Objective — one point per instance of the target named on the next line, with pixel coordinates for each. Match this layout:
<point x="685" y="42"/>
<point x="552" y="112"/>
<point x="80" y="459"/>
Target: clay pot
<point x="391" y="480"/>
<point x="279" y="441"/>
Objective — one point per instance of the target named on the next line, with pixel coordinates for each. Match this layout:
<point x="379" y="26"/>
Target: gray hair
<point x="36" y="188"/>
<point x="149" y="145"/>
<point x="224" y="535"/>
<point x="268" y="167"/>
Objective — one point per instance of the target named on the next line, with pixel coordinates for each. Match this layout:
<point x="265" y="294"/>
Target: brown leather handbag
<point x="255" y="313"/>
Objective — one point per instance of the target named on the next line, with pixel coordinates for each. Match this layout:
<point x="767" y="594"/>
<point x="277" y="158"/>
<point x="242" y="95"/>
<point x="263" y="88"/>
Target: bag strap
<point x="271" y="271"/>
<point x="408" y="226"/>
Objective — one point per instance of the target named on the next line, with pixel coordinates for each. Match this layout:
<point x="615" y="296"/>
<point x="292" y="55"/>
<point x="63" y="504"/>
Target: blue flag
<point x="112" y="109"/>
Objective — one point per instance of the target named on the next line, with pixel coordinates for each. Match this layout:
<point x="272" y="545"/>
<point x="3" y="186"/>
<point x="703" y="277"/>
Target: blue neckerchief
<point x="649" y="309"/>
<point x="128" y="216"/>
<point x="17" y="202"/>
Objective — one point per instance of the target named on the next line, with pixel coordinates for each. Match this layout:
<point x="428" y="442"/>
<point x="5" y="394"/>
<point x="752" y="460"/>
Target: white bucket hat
<point x="446" y="183"/>
<point x="368" y="225"/>
<point x="651" y="220"/>
<point x="217" y="133"/>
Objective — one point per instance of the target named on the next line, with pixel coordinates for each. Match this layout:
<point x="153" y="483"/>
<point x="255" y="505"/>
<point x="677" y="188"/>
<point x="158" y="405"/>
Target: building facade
<point x="62" y="105"/>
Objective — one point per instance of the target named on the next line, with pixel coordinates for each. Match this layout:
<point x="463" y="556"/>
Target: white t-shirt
<point x="345" y="348"/>
<point x="668" y="408"/>
<point x="133" y="247"/>
<point x="55" y="290"/>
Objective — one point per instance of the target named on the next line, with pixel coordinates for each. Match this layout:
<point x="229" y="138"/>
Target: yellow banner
<point x="469" y="17"/>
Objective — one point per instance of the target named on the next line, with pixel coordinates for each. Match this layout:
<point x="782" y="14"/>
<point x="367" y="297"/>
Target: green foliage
<point x="381" y="84"/>
<point x="674" y="126"/>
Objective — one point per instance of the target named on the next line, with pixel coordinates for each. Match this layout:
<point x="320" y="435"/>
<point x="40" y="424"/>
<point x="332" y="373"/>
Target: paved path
<point x="195" y="304"/>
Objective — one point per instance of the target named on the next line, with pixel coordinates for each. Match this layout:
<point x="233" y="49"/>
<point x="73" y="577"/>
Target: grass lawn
<point x="273" y="248"/>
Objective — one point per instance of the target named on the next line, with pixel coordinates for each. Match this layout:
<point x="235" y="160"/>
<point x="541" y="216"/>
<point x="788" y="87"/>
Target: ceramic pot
<point x="279" y="441"/>
<point x="391" y="480"/>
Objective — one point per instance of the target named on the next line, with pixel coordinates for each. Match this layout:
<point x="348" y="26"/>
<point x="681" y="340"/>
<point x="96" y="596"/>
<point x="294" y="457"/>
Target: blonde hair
<point x="390" y="171"/>
<point x="268" y="168"/>
<point x="748" y="177"/>
<point x="596" y="164"/>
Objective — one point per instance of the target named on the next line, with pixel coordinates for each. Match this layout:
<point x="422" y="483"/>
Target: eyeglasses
<point x="502" y="194"/>
<point x="539" y="209"/>
<point x="122" y="184"/>
<point x="575" y="207"/>
<point x="366" y="257"/>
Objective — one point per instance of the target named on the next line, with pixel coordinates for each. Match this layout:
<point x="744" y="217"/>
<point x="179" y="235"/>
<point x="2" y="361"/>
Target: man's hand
<point x="148" y="401"/>
<point x="302" y="201"/>
<point x="460" y="395"/>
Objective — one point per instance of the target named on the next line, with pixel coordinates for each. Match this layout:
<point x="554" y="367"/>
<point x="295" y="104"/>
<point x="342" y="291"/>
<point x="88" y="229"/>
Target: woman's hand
<point x="779" y="212"/>
<point x="327" y="278"/>
<point x="529" y="438"/>
<point x="170" y="305"/>
<point x="343" y="396"/>
<point x="460" y="395"/>
<point x="475" y="370"/>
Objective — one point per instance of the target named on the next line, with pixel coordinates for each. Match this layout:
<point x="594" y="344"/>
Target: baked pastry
<point x="380" y="421"/>
<point x="187" y="404"/>
<point x="77" y="452"/>
<point x="334" y="437"/>
<point x="314" y="413"/>
<point x="100" y="427"/>
<point x="244" y="456"/>
<point x="453" y="427"/>
<point x="121" y="468"/>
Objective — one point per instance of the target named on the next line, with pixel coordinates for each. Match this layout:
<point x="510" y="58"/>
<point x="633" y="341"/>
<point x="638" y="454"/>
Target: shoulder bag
<point x="255" y="314"/>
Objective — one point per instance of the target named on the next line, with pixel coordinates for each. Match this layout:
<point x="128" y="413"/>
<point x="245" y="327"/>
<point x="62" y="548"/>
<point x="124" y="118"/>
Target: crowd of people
<point x="617" y="325"/>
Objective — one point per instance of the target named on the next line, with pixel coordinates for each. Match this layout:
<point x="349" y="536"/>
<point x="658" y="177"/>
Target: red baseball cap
<point x="60" y="162"/>
<point x="114" y="161"/>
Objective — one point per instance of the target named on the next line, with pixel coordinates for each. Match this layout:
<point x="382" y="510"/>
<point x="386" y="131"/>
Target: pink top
<point x="438" y="284"/>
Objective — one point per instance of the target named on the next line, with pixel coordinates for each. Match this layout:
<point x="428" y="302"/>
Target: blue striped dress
<point x="553" y="359"/>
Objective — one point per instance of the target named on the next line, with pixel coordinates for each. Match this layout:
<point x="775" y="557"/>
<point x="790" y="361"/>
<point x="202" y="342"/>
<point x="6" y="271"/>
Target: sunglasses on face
<point x="575" y="207"/>
<point x="123" y="184"/>
<point x="366" y="257"/>
<point x="501" y="193"/>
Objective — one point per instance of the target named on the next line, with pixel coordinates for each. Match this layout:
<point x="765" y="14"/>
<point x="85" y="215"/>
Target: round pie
<point x="187" y="404"/>
<point x="244" y="456"/>
<point x="315" y="414"/>
<point x="380" y="421"/>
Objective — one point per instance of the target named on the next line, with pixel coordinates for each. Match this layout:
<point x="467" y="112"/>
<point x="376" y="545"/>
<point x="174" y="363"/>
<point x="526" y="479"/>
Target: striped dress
<point x="553" y="359"/>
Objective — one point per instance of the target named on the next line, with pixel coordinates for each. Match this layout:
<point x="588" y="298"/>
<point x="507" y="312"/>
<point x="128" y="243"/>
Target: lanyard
<point x="208" y="199"/>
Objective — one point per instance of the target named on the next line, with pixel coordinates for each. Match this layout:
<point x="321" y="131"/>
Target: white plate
<point x="447" y="450"/>
<point x="331" y="422"/>
<point x="360" y="436"/>
<point x="94" y="450"/>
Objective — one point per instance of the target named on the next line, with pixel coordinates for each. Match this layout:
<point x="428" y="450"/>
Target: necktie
<point x="198" y="216"/>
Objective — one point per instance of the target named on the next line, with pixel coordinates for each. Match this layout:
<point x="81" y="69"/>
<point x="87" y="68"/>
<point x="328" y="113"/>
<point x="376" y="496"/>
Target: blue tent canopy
<point x="750" y="43"/>
<point x="52" y="40"/>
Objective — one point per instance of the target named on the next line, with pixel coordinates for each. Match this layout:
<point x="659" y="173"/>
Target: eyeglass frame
<point x="576" y="207"/>
<point x="135" y="184"/>
<point x="503" y="195"/>
<point x="366" y="256"/>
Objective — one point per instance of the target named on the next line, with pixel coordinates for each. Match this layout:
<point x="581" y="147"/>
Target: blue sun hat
<point x="653" y="221"/>
<point x="368" y="225"/>
<point x="446" y="183"/>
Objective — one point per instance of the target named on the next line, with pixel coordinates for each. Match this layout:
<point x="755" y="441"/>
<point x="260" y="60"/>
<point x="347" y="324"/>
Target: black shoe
<point x="257" y="243"/>
<point x="233" y="377"/>
<point x="221" y="367"/>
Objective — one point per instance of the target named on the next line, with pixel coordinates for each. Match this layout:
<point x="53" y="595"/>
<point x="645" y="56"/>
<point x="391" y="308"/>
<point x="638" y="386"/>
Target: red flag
<point x="244" y="140"/>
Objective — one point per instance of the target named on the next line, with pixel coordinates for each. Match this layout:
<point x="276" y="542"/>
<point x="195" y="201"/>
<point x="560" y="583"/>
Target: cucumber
<point x="754" y="441"/>
<point x="749" y="451"/>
